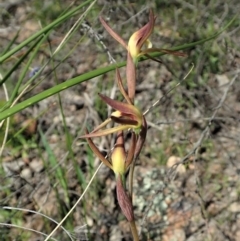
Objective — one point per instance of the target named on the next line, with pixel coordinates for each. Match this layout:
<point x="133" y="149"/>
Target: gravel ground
<point x="195" y="126"/>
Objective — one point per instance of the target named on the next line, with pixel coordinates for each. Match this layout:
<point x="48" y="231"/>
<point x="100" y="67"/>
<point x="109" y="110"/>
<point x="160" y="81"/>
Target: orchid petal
<point x="124" y="108"/>
<point x="167" y="51"/>
<point x="121" y="88"/>
<point x="131" y="151"/>
<point x="141" y="139"/>
<point x="152" y="58"/>
<point x="107" y="121"/>
<point x="108" y="131"/>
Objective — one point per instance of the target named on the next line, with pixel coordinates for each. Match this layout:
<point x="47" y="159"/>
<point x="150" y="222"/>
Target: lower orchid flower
<point x="126" y="115"/>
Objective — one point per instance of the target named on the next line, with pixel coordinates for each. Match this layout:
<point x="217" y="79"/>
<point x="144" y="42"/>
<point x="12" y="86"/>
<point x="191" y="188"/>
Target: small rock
<point x="216" y="168"/>
<point x="13" y="166"/>
<point x="30" y="126"/>
<point x="172" y="160"/>
<point x="89" y="221"/>
<point x="175" y="235"/>
<point x="238" y="235"/>
<point x="234" y="207"/>
<point x="81" y="232"/>
<point x="115" y="233"/>
<point x="36" y="165"/>
<point x="222" y="80"/>
<point x="233" y="194"/>
<point x="54" y="139"/>
<point x="26" y="173"/>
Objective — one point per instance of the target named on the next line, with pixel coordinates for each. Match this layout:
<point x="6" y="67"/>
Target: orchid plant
<point x="127" y="117"/>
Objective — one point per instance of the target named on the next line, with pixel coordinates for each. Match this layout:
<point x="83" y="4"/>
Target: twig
<point x="24" y="228"/>
<point x="205" y="131"/>
<point x="75" y="205"/>
<point x="38" y="213"/>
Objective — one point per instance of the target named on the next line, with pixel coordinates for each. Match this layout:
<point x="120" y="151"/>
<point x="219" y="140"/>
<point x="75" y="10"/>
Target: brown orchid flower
<point x="139" y="39"/>
<point x="126" y="115"/>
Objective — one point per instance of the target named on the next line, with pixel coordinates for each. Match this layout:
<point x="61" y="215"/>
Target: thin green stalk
<point x="59" y="171"/>
<point x="130" y="180"/>
<point x="134" y="231"/>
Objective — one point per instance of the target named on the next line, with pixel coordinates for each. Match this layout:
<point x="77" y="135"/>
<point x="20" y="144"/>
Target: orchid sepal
<point x="107" y="131"/>
<point x="113" y="33"/>
<point x="121" y="88"/>
<point x="167" y="51"/>
<point x="97" y="152"/>
<point x="130" y="155"/>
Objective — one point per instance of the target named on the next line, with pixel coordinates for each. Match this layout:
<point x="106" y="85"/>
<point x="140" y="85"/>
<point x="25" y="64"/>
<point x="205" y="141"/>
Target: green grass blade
<point x="59" y="172"/>
<point x="36" y="46"/>
<point x="44" y="30"/>
<point x="56" y="89"/>
<point x="18" y="62"/>
<point x="10" y="44"/>
<point x="189" y="45"/>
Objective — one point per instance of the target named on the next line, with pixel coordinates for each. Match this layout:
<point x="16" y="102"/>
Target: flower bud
<point x="118" y="156"/>
<point x="124" y="200"/>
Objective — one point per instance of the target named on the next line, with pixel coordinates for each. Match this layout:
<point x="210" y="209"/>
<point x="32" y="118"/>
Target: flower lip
<point x="125" y="121"/>
<point x="124" y="112"/>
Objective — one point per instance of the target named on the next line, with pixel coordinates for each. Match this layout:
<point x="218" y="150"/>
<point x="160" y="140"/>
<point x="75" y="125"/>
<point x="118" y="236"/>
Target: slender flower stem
<point x="130" y="184"/>
<point x="134" y="230"/>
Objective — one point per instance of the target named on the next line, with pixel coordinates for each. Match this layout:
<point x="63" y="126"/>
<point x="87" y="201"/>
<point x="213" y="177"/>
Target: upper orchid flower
<point x="138" y="39"/>
<point x="135" y="50"/>
<point x="141" y="37"/>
